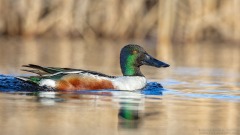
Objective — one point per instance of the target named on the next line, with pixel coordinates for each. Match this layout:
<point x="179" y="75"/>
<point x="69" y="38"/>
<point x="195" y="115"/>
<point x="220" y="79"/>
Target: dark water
<point x="200" y="94"/>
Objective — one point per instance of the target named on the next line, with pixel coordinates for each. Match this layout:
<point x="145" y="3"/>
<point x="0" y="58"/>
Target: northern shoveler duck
<point x="131" y="58"/>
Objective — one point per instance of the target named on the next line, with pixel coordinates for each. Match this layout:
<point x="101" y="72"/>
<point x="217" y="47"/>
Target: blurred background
<point x="165" y="20"/>
<point x="200" y="39"/>
<point x="59" y="32"/>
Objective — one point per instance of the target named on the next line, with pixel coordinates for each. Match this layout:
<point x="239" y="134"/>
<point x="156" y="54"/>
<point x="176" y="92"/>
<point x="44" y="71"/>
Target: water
<point x="200" y="94"/>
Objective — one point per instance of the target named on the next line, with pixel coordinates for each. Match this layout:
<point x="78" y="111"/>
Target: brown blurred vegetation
<point x="165" y="20"/>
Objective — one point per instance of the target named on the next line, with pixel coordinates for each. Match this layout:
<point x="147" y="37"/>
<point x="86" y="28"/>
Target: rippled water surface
<point x="200" y="94"/>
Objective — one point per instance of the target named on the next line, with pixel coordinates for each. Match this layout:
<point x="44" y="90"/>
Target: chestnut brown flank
<point x="76" y="82"/>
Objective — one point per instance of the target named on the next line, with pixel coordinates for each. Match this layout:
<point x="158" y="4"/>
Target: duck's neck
<point x="129" y="68"/>
<point x="131" y="71"/>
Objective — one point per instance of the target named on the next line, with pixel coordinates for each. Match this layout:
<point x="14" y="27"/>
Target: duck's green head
<point x="133" y="56"/>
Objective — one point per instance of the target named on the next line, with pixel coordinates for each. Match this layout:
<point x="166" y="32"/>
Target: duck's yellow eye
<point x="135" y="51"/>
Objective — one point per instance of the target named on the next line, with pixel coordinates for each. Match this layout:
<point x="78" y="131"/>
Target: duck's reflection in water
<point x="132" y="109"/>
<point x="130" y="105"/>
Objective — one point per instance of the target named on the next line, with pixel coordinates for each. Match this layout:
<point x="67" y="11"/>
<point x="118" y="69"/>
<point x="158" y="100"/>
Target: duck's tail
<point x="40" y="70"/>
<point x="31" y="79"/>
<point x="22" y="78"/>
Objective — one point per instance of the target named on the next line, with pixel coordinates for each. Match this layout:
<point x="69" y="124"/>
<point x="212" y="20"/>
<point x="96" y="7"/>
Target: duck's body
<point x="77" y="79"/>
<point x="131" y="58"/>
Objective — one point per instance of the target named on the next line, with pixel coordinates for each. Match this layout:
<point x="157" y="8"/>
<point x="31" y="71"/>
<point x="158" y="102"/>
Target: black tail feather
<point x="33" y="66"/>
<point x="39" y="72"/>
<point x="39" y="69"/>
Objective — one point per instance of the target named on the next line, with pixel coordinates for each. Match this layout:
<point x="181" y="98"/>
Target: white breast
<point x="130" y="83"/>
<point x="47" y="82"/>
